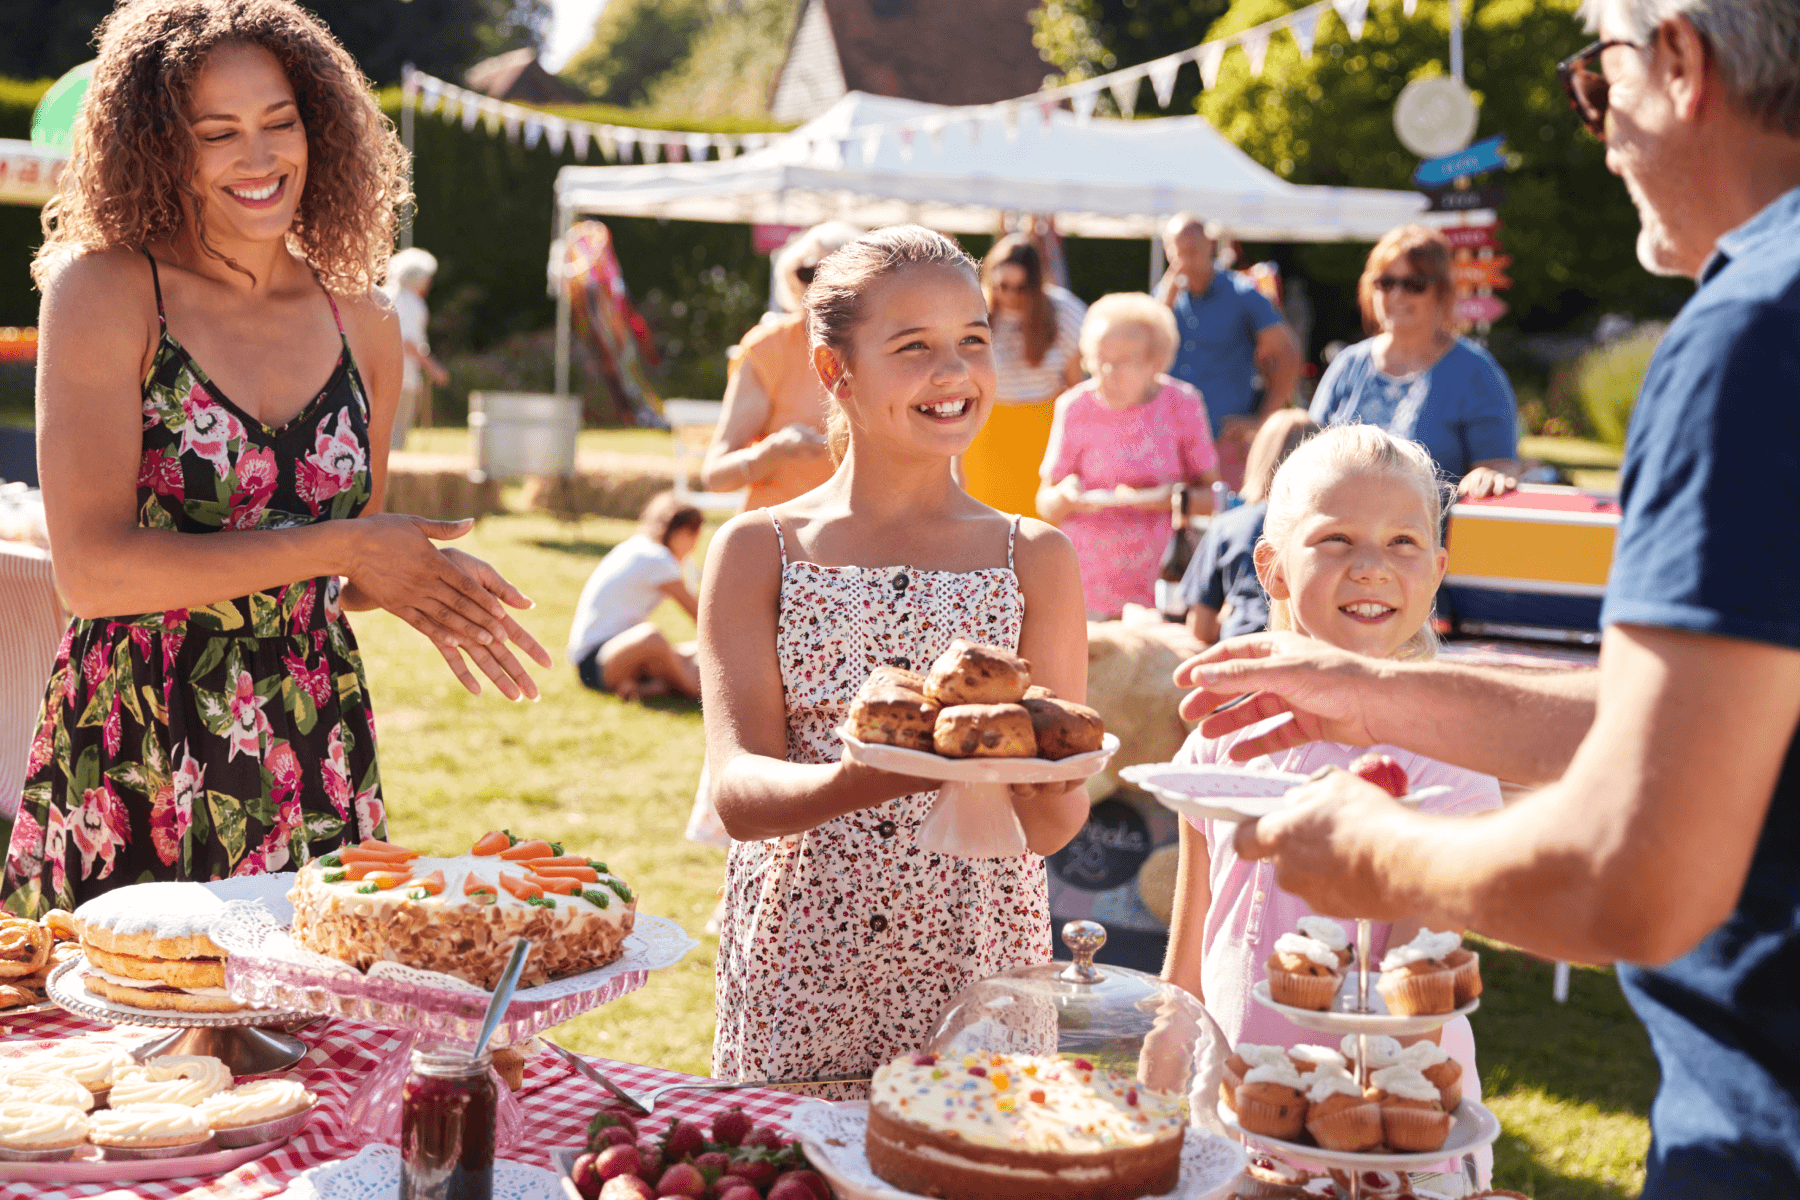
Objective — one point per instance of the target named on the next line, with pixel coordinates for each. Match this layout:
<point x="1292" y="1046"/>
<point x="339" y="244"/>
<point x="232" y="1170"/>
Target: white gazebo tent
<point x="875" y="160"/>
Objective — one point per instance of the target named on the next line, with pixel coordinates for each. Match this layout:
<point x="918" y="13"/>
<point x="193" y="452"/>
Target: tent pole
<point x="1456" y="40"/>
<point x="1157" y="265"/>
<point x="560" y="282"/>
<point x="406" y="140"/>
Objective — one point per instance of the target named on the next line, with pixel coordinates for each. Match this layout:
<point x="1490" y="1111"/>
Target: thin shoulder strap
<point x="1012" y="533"/>
<point x="329" y="299"/>
<point x="162" y="322"/>
<point x="779" y="540"/>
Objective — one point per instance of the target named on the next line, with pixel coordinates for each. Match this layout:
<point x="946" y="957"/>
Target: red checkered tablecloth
<point x="557" y="1103"/>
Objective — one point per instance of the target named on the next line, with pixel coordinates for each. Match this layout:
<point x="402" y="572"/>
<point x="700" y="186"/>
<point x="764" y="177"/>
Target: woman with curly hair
<point x="210" y="260"/>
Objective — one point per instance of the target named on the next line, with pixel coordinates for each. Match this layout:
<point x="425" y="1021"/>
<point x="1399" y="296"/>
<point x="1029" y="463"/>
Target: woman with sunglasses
<point x="771" y="435"/>
<point x="1037" y="355"/>
<point x="1415" y="377"/>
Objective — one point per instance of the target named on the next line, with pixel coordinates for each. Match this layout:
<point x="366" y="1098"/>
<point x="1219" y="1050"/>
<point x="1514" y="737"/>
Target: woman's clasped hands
<point x="453" y="598"/>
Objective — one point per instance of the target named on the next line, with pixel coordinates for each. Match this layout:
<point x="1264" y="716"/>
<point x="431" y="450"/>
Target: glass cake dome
<point x="1117" y="1018"/>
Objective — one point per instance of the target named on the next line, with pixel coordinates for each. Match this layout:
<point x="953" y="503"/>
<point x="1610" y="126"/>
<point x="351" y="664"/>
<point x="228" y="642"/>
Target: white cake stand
<point x="242" y="1040"/>
<point x="973" y="816"/>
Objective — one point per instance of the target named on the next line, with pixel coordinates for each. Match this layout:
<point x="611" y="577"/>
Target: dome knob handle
<point x="1084" y="939"/>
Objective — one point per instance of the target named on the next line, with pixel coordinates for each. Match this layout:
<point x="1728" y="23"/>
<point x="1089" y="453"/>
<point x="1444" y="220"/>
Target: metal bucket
<point x="523" y="433"/>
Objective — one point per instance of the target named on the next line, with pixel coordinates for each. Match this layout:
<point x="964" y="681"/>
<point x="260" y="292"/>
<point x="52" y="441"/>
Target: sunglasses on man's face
<point x="1412" y="285"/>
<point x="1588" y="89"/>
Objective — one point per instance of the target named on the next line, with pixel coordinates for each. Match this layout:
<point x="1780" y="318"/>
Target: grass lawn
<point x="1572" y="1083"/>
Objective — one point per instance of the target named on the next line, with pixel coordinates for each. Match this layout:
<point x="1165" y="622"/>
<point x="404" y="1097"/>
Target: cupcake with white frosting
<point x="1271" y="1101"/>
<point x="1324" y="929"/>
<point x="1338" y="1115"/>
<point x="149" y="1130"/>
<point x="1303" y="972"/>
<point x="1307" y="1059"/>
<point x="1429" y="1060"/>
<point x="40" y="1132"/>
<point x="1245" y="1055"/>
<point x="256" y="1112"/>
<point x="1466" y="964"/>
<point x="1381" y="1050"/>
<point x="1415" y="979"/>
<point x="1413" y="1119"/>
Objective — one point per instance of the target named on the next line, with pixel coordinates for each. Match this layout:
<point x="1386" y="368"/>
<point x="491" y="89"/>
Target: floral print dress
<point x="840" y="946"/>
<point x="233" y="739"/>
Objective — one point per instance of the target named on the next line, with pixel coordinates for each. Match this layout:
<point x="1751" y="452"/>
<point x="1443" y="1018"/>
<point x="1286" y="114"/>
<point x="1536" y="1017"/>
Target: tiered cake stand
<point x="1472" y="1125"/>
<point x="266" y="968"/>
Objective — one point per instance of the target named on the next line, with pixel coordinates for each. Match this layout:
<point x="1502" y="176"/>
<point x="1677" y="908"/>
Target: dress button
<point x="900" y="582"/>
<point x="905" y="664"/>
<point x="878" y="923"/>
<point x="886" y="829"/>
<point x="1259" y="895"/>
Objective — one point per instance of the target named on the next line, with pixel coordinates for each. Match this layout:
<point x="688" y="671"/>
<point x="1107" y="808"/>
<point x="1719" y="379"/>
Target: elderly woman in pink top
<point x="1350" y="555"/>
<point x="1130" y="428"/>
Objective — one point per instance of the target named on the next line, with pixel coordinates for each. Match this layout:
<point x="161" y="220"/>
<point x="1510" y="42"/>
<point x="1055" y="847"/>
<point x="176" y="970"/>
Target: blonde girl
<point x="842" y="939"/>
<point x="1130" y="426"/>
<point x="1350" y="554"/>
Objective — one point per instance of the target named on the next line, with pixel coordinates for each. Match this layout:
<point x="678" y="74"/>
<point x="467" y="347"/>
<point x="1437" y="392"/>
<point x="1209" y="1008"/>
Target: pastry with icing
<point x="1303" y="972"/>
<point x="256" y="1103"/>
<point x="1324" y="929"/>
<point x="1310" y="1058"/>
<point x="1413" y="1119"/>
<point x="185" y="1079"/>
<point x="1271" y="1101"/>
<point x="1445" y="1073"/>
<point x="94" y="1065"/>
<point x="1017" y="1126"/>
<point x="148" y="1126"/>
<point x="35" y="1128"/>
<point x="1244" y="1055"/>
<point x="461" y="916"/>
<point x="149" y="945"/>
<point x="1466" y="965"/>
<point x="1415" y="979"/>
<point x="1338" y="1115"/>
<point x="30" y="1085"/>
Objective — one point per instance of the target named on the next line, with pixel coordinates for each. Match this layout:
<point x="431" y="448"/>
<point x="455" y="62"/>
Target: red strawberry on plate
<point x="1383" y="772"/>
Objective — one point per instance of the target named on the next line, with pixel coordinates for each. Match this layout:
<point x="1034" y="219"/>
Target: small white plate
<point x="917" y="763"/>
<point x="1342" y="1017"/>
<point x="1472" y="1127"/>
<point x="1127" y="497"/>
<point x="1214" y="792"/>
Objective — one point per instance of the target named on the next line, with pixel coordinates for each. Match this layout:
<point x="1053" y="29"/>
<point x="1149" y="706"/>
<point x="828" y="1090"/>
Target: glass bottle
<point x="447" y="1117"/>
<point x="1175" y="558"/>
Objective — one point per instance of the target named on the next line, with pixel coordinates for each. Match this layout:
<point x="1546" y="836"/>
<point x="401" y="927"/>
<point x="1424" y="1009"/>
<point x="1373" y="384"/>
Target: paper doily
<point x="374" y="1174"/>
<point x="266" y="968"/>
<point x="833" y="1135"/>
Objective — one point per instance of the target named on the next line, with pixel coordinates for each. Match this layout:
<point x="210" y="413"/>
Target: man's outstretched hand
<point x="1326" y="691"/>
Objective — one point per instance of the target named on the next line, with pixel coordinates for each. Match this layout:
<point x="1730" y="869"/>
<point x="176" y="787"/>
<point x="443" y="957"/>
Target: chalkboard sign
<point x="1108" y="851"/>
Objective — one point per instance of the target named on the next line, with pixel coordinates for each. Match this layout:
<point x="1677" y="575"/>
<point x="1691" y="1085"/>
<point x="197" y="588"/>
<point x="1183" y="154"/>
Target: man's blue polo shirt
<point x="1708" y="543"/>
<point x="1217" y="350"/>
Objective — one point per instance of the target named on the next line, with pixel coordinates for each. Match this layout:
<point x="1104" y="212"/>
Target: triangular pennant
<point x="471" y="113"/>
<point x="871" y="146"/>
<point x="1162" y="78"/>
<point x="1256" y="49"/>
<point x="843" y="150"/>
<point x="1353" y="13"/>
<point x="674" y="151"/>
<point x="697" y="146"/>
<point x="624" y="144"/>
<point x="1083" y="102"/>
<point x="652" y="151"/>
<point x="1045" y="109"/>
<point x="493" y="116"/>
<point x="754" y="142"/>
<point x="974" y="124"/>
<point x="934" y="129"/>
<point x="1211" y="55"/>
<point x="727" y="147"/>
<point x="1305" y="28"/>
<point x="556" y="132"/>
<point x="1011" y="114"/>
<point x="534" y="131"/>
<point x="511" y="122"/>
<point x="430" y="95"/>
<point x="906" y="143"/>
<point x="1410" y="7"/>
<point x="578" y="135"/>
<point x="1125" y="90"/>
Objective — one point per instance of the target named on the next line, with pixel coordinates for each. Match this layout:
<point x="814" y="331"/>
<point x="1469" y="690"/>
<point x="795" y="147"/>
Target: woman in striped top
<point x="1037" y="354"/>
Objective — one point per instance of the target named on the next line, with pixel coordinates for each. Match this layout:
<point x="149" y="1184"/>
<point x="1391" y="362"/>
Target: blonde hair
<point x="1279" y="437"/>
<point x="1121" y="310"/>
<point x="834" y="299"/>
<point x="1324" y="459"/>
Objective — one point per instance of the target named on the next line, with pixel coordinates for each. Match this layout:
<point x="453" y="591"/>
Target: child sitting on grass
<point x="612" y="643"/>
<point x="843" y="939"/>
<point x="1350" y="555"/>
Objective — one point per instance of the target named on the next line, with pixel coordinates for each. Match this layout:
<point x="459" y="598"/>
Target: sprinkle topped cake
<point x="460" y="916"/>
<point x="995" y="1126"/>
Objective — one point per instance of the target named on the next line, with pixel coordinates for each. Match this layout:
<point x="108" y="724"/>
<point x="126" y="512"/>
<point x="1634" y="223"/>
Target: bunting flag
<point x="674" y="151"/>
<point x="556" y="132"/>
<point x="578" y="135"/>
<point x="934" y="129"/>
<point x="1162" y="78"/>
<point x="534" y="132"/>
<point x="974" y="124"/>
<point x="651" y="150"/>
<point x="1211" y="56"/>
<point x="1083" y="102"/>
<point x="471" y="113"/>
<point x="1353" y="13"/>
<point x="1046" y="109"/>
<point x="1410" y="6"/>
<point x="1125" y="94"/>
<point x="1256" y="49"/>
<point x="1305" y="29"/>
<point x="906" y="145"/>
<point x="1011" y="114"/>
<point x="697" y="146"/>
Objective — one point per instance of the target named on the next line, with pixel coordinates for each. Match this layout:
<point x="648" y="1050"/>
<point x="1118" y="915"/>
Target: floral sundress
<point x="233" y="739"/>
<point x="840" y="946"/>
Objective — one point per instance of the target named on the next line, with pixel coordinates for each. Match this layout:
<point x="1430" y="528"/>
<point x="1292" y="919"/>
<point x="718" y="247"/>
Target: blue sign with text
<point x="1485" y="155"/>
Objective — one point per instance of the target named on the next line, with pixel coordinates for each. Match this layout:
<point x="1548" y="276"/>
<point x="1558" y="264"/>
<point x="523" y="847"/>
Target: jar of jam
<point x="447" y="1114"/>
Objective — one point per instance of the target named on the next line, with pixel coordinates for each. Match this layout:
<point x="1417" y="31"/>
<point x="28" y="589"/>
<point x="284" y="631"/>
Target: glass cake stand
<point x="265" y="967"/>
<point x="250" y="1042"/>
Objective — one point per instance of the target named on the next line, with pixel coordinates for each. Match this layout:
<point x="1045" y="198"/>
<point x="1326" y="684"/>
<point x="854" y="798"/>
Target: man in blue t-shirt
<point x="1229" y="333"/>
<point x="1668" y="837"/>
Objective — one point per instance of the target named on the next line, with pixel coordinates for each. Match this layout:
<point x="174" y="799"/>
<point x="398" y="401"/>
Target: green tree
<point x="1328" y="119"/>
<point x="731" y="66"/>
<point x="634" y="43"/>
<point x="1083" y="38"/>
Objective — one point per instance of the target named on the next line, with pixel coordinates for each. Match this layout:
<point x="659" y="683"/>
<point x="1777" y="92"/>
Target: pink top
<point x="1248" y="912"/>
<point x="1161" y="442"/>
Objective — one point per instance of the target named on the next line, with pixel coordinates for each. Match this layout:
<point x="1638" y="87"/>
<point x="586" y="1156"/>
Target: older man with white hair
<point x="1668" y="835"/>
<point x="409" y="277"/>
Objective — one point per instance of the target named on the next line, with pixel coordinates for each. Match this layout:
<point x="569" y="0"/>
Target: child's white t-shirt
<point x="624" y="589"/>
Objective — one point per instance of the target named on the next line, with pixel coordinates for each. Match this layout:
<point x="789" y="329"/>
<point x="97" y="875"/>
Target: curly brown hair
<point x="129" y="179"/>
